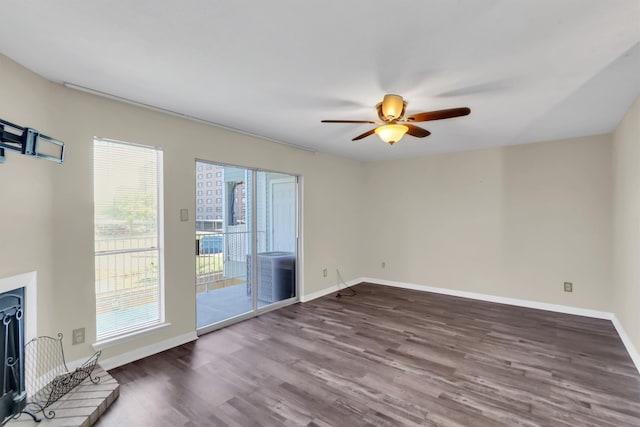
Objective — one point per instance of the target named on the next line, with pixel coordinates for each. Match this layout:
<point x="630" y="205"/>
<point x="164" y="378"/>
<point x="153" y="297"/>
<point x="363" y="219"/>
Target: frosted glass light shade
<point x="391" y="133"/>
<point x="392" y="106"/>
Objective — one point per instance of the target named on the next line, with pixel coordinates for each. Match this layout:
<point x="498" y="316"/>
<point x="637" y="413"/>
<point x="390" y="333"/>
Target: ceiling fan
<point x="393" y="126"/>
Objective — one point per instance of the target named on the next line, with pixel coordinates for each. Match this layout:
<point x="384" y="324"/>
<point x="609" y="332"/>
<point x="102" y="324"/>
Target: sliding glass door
<point x="246" y="242"/>
<point x="223" y="243"/>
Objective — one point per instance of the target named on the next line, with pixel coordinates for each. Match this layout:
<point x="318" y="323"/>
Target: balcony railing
<point x="125" y="263"/>
<point x="127" y="280"/>
<point x="222" y="258"/>
<point x="127" y="270"/>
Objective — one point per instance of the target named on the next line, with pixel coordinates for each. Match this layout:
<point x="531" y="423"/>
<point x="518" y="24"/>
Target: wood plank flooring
<point x="388" y="357"/>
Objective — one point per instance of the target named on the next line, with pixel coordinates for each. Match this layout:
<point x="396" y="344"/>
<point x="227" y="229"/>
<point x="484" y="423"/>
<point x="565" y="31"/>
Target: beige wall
<point x="26" y="188"/>
<point x="46" y="213"/>
<point x="626" y="230"/>
<point x="513" y="222"/>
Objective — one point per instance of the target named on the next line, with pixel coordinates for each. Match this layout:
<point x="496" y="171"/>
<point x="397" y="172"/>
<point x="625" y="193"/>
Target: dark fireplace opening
<point x="13" y="395"/>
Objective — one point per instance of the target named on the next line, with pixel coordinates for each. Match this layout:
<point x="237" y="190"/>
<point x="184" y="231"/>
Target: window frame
<point x="131" y="333"/>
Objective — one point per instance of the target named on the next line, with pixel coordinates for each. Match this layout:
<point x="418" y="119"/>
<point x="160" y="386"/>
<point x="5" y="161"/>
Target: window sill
<point x="131" y="336"/>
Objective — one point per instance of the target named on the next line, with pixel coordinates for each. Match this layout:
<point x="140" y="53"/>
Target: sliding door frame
<point x="254" y="249"/>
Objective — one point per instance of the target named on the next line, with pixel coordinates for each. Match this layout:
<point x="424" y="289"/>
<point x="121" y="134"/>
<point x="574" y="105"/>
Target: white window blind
<point x="128" y="252"/>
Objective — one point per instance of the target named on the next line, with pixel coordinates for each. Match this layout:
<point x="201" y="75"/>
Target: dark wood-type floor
<point x="388" y="357"/>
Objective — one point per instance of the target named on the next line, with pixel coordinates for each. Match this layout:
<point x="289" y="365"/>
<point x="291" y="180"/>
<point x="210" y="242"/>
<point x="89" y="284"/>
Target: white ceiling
<point x="530" y="70"/>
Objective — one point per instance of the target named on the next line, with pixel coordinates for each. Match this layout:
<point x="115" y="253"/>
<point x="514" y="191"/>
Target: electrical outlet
<point x="383" y="264"/>
<point x="77" y="336"/>
<point x="324" y="273"/>
<point x="568" y="287"/>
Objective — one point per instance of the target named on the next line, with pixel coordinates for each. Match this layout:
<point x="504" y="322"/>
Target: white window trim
<point x="132" y="334"/>
<point x="129" y="336"/>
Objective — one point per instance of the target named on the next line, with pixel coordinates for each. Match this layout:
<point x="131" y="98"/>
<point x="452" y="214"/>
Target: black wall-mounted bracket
<point x="29" y="142"/>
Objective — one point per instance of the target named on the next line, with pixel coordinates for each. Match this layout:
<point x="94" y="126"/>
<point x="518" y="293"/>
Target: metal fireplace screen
<point x="12" y="400"/>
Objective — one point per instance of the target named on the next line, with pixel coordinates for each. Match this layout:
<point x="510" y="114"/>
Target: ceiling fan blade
<point x="348" y="121"/>
<point x="416" y="131"/>
<point x="439" y="115"/>
<point x="364" y="135"/>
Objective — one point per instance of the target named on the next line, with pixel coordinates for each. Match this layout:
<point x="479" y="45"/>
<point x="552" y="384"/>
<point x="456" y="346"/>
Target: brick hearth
<point x="81" y="407"/>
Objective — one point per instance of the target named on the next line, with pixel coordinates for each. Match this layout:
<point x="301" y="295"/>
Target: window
<point x="218" y="191"/>
<point x="209" y="192"/>
<point x="199" y="185"/>
<point x="200" y="192"/>
<point x="200" y="167"/>
<point x="218" y="174"/>
<point x="199" y="201"/>
<point x="218" y="183"/>
<point x="209" y="183"/>
<point x="208" y="201"/>
<point x="199" y="176"/>
<point x="128" y="242"/>
<point x="209" y="209"/>
<point x="209" y="166"/>
<point x="209" y="175"/>
<point x="219" y="200"/>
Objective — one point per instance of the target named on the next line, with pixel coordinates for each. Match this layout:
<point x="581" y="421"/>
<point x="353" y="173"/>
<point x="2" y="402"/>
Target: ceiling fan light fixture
<point x="391" y="133"/>
<point x="391" y="112"/>
<point x="393" y="106"/>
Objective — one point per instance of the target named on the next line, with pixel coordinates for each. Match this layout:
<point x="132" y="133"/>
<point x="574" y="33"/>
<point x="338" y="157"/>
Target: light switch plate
<point x="184" y="215"/>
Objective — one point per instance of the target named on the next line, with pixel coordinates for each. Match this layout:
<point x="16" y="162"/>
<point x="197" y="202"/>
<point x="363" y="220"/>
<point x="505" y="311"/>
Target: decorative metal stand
<point x="47" y="375"/>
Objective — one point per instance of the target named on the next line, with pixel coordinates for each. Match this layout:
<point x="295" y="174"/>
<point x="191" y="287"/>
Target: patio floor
<point x="220" y="304"/>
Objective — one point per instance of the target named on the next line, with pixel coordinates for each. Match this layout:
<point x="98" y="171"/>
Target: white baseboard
<point x="635" y="356"/>
<point x="142" y="352"/>
<point x="497" y="299"/>
<point x="633" y="353"/>
<point x="329" y="290"/>
<point x="318" y="294"/>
